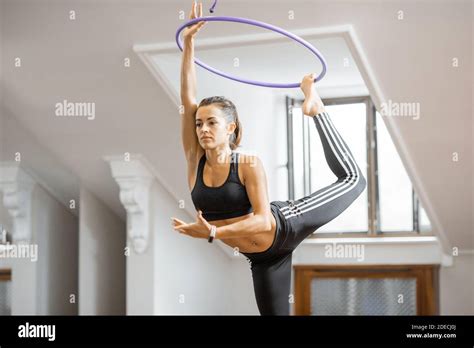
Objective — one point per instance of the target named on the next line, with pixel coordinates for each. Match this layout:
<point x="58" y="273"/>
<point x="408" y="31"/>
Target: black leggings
<point x="296" y="220"/>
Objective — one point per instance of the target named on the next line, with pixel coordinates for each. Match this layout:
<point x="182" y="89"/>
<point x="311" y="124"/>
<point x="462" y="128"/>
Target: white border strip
<point x="374" y="240"/>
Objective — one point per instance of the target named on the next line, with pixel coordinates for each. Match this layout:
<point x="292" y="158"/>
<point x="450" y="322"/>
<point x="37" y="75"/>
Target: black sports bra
<point x="223" y="202"/>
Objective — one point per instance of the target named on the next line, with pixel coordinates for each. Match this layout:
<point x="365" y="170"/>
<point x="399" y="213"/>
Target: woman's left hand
<point x="199" y="229"/>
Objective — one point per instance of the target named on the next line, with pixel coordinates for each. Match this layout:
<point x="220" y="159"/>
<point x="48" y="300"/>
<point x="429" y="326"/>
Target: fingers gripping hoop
<point x="258" y="24"/>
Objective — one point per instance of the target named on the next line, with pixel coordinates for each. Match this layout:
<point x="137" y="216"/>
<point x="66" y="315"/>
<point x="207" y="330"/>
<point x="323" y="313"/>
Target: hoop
<point x="258" y="24"/>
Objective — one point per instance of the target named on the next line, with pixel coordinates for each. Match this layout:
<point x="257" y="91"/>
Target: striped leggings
<point x="296" y="220"/>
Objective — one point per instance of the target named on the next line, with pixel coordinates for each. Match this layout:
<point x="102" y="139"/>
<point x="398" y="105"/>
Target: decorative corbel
<point x="135" y="181"/>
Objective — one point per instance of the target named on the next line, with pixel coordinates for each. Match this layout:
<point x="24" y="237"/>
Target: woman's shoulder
<point x="249" y="165"/>
<point x="248" y="160"/>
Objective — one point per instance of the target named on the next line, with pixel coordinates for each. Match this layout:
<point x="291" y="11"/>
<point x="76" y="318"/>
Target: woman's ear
<point x="231" y="127"/>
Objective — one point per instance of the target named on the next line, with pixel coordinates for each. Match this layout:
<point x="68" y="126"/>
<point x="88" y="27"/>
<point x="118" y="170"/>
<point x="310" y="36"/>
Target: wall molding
<point x="135" y="182"/>
<point x="376" y="251"/>
<point x="465" y="252"/>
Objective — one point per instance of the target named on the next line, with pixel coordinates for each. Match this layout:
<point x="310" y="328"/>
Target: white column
<point x="17" y="187"/>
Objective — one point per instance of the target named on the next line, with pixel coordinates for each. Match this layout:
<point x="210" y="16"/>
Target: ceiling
<point x="282" y="62"/>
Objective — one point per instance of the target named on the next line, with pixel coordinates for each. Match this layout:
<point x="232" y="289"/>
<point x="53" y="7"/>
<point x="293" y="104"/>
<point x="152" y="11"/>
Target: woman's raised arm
<point x="188" y="87"/>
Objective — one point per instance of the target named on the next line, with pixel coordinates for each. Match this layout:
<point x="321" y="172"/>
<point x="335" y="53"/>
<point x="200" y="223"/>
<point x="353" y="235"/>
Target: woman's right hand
<point x="190" y="31"/>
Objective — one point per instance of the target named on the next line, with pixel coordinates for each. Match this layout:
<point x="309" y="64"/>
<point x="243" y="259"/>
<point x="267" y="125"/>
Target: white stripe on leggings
<point x="334" y="188"/>
<point x="311" y="204"/>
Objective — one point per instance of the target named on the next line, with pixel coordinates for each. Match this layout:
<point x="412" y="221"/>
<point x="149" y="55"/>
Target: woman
<point x="236" y="210"/>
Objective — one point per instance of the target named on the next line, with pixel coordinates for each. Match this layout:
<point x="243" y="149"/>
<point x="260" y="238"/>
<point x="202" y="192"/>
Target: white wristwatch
<point x="213" y="233"/>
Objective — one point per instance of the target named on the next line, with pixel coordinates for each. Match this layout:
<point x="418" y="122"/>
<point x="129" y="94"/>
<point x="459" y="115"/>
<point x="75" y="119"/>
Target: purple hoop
<point x="259" y="24"/>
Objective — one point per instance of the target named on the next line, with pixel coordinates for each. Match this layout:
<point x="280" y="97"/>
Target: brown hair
<point x="230" y="114"/>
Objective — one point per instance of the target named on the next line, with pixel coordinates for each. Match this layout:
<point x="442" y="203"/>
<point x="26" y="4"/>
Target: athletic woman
<point x="229" y="190"/>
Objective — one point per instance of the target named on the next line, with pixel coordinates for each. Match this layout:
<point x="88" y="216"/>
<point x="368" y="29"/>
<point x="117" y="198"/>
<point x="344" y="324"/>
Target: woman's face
<point x="212" y="129"/>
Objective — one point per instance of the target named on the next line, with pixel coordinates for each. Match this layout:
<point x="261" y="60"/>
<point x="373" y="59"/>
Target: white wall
<point x="101" y="258"/>
<point x="140" y="280"/>
<point x="5" y="218"/>
<point x="1" y="78"/>
<point x="1" y="70"/>
<point x="243" y="296"/>
<point x="191" y="276"/>
<point x="456" y="286"/>
<point x="44" y="286"/>
<point x="55" y="230"/>
<point x="25" y="290"/>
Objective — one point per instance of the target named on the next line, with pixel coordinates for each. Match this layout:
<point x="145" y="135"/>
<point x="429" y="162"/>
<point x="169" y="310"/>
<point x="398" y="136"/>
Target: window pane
<point x="350" y="122"/>
<point x="395" y="188"/>
<point x="5" y="298"/>
<point x="298" y="162"/>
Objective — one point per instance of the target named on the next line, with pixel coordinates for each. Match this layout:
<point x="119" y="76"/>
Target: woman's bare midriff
<point x="249" y="244"/>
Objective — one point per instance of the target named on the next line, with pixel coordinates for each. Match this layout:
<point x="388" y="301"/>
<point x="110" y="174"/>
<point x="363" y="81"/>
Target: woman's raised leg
<point x="307" y="214"/>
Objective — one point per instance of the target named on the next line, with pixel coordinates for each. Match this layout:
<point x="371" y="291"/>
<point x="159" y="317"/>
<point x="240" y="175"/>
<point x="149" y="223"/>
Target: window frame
<point x="373" y="206"/>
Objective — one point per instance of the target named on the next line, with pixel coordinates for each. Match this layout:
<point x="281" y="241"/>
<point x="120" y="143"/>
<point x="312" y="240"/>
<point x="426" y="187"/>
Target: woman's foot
<point x="313" y="104"/>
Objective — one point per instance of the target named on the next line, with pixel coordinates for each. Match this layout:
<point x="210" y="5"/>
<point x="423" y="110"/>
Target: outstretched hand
<point x="190" y="31"/>
<point x="199" y="229"/>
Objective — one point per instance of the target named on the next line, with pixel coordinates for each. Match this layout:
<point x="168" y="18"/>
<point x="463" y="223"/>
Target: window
<point x="389" y="204"/>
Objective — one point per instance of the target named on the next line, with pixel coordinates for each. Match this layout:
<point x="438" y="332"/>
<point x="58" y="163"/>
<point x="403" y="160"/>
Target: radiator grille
<point x="363" y="296"/>
<point x="5" y="298"/>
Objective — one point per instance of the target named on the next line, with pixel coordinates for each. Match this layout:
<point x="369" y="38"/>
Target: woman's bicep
<point x="188" y="131"/>
<point x="256" y="186"/>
